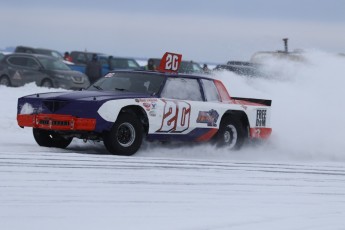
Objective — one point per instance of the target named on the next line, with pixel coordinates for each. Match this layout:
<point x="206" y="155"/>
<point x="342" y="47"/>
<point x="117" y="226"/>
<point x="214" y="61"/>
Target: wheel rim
<point x="4" y="81"/>
<point x="126" y="134"/>
<point x="230" y="136"/>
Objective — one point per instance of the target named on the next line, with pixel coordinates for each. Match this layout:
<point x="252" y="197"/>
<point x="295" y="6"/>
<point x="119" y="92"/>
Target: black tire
<point x="4" y="80"/>
<point x="47" y="138"/>
<point x="231" y="133"/>
<point x="47" y="83"/>
<point x="126" y="135"/>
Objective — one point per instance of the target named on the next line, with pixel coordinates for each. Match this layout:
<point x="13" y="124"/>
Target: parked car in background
<point x="49" y="52"/>
<point x="185" y="66"/>
<point x="118" y="63"/>
<point x="80" y="59"/>
<point x="18" y="69"/>
<point x="241" y="68"/>
<point x="1" y="55"/>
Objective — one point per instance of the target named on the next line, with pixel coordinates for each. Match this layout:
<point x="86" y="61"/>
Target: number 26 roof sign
<point x="170" y="62"/>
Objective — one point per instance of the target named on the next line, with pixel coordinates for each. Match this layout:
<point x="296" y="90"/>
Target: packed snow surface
<point x="296" y="180"/>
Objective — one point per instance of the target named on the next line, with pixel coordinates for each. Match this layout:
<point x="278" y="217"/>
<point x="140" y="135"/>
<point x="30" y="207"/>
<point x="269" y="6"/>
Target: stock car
<point x="126" y="106"/>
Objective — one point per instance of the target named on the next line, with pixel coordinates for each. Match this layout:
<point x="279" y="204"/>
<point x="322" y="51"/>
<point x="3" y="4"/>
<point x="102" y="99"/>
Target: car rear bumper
<point x="260" y="133"/>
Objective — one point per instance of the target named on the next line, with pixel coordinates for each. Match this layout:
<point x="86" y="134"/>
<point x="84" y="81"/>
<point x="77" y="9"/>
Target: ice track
<point x="54" y="190"/>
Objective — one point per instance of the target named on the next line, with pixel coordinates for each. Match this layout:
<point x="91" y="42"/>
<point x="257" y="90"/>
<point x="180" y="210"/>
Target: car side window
<point x="55" y="54"/>
<point x="210" y="90"/>
<point x="132" y="64"/>
<point x="103" y="61"/>
<point x="196" y="67"/>
<point x="121" y="63"/>
<point x="18" y="61"/>
<point x="81" y="58"/>
<point x="32" y="63"/>
<point x="182" y="89"/>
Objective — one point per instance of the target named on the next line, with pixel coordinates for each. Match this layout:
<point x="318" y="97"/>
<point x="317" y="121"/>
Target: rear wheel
<point x="47" y="138"/>
<point x="47" y="83"/>
<point x="231" y="134"/>
<point x="4" y="80"/>
<point x="126" y="135"/>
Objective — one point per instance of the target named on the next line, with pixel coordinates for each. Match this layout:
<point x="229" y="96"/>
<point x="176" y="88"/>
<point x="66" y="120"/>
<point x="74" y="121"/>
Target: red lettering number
<point x="176" y="116"/>
<point x="183" y="115"/>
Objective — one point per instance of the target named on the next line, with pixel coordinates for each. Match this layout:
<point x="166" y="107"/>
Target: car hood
<point x="88" y="95"/>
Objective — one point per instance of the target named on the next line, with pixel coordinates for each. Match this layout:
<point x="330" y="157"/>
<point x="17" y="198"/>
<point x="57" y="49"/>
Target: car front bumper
<point x="56" y="122"/>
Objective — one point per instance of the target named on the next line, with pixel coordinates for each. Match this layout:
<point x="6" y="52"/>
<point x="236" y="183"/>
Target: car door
<point x="183" y="101"/>
<point x="16" y="67"/>
<point x="24" y="70"/>
<point x="33" y="71"/>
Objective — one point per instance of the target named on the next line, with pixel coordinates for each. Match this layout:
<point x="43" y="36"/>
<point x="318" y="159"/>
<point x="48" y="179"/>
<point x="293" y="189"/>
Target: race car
<point x="124" y="107"/>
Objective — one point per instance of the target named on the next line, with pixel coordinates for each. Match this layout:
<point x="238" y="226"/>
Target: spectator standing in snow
<point x="67" y="57"/>
<point x="150" y="65"/>
<point x="94" y="69"/>
<point x="205" y="68"/>
<point x="110" y="62"/>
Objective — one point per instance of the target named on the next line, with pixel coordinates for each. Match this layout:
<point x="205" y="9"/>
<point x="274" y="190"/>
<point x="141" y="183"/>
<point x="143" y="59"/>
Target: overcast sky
<point x="202" y="30"/>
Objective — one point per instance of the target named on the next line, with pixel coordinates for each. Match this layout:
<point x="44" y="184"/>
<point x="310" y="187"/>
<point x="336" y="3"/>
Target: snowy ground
<point x="295" y="181"/>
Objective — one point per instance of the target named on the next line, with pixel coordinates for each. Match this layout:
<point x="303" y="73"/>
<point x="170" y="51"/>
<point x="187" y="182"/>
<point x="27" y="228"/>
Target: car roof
<point x="45" y="49"/>
<point x="177" y="75"/>
<point x="115" y="57"/>
<point x="30" y="55"/>
<point x="87" y="52"/>
<point x="24" y="47"/>
<point x="33" y="48"/>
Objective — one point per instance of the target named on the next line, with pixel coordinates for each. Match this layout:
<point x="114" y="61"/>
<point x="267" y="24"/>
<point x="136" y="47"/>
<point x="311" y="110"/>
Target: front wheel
<point x="4" y="80"/>
<point x="125" y="137"/>
<point x="47" y="83"/>
<point x="231" y="134"/>
<point x="47" y="138"/>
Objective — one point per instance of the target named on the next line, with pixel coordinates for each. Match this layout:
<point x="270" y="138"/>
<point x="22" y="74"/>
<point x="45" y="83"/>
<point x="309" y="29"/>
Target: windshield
<point x="131" y="82"/>
<point x="53" y="64"/>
